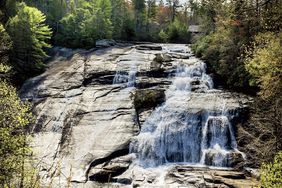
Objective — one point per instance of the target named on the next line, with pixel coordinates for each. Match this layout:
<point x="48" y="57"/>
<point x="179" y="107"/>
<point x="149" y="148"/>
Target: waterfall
<point x="173" y="134"/>
<point x="125" y="77"/>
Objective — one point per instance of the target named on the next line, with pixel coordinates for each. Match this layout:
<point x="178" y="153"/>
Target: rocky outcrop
<point x="148" y="47"/>
<point x="105" y="43"/>
<point x="90" y="104"/>
<point x="189" y="176"/>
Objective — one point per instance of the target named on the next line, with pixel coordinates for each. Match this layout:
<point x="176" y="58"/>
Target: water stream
<point x="174" y="133"/>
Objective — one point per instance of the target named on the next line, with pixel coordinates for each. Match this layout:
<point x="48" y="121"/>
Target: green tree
<point x="73" y="29"/>
<point x="173" y="5"/>
<point x="85" y="23"/>
<point x="151" y="13"/>
<point x="271" y="173"/>
<point x="163" y="36"/>
<point x="5" y="47"/>
<point x="29" y="35"/>
<point x="7" y="9"/>
<point x="14" y="117"/>
<point x="56" y="11"/>
<point x="178" y="32"/>
<point x="122" y="20"/>
<point x="139" y="11"/>
<point x="264" y="63"/>
<point x="103" y="24"/>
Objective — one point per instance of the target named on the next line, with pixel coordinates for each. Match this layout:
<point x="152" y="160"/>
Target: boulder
<point x="161" y="57"/>
<point x="106" y="171"/>
<point x="148" y="98"/>
<point x="105" y="43"/>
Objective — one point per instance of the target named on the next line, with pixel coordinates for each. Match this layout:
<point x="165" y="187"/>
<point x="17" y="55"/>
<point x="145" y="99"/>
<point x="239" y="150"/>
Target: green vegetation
<point x="264" y="63"/>
<point x="241" y="43"/>
<point x="231" y="30"/>
<point x="14" y="117"/>
<point x="271" y="173"/>
<point x="29" y="35"/>
<point x="242" y="47"/>
<point x="5" y="47"/>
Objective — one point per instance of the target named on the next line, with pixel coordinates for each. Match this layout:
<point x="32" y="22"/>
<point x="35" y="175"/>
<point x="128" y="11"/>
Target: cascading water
<point x="171" y="134"/>
<point x="125" y="77"/>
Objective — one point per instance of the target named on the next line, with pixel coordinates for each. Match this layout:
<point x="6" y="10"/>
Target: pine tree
<point x="139" y="8"/>
<point x="151" y="13"/>
<point x="117" y="17"/>
<point x="56" y="11"/>
<point x="103" y="16"/>
<point x="29" y="35"/>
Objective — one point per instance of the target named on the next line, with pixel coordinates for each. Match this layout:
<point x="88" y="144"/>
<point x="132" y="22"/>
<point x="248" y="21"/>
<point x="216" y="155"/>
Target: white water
<point x="125" y="77"/>
<point x="171" y="134"/>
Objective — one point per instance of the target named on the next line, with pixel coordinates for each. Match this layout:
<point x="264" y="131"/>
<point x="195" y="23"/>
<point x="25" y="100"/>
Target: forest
<point x="239" y="40"/>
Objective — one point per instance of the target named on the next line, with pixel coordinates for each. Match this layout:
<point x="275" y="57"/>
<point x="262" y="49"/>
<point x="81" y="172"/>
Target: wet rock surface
<point x="91" y="105"/>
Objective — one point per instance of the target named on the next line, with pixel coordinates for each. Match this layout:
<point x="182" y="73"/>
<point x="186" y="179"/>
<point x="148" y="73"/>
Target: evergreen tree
<point x="103" y="16"/>
<point x="29" y="35"/>
<point x="121" y="18"/>
<point x="151" y="13"/>
<point x="139" y="8"/>
<point x="56" y="11"/>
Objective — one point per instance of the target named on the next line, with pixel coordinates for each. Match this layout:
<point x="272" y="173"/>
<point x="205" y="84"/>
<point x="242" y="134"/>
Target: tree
<point x="264" y="63"/>
<point x="173" y="5"/>
<point x="117" y="17"/>
<point x="87" y="22"/>
<point x="122" y="20"/>
<point x="5" y="47"/>
<point x="103" y="24"/>
<point x="178" y="32"/>
<point x="151" y="13"/>
<point x="72" y="31"/>
<point x="139" y="8"/>
<point x="7" y="9"/>
<point x="56" y="11"/>
<point x="14" y="117"/>
<point x="29" y="35"/>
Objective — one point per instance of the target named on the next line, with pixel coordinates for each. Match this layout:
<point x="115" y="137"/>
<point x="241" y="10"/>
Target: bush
<point x="178" y="32"/>
<point x="201" y="45"/>
<point x="5" y="47"/>
<point x="271" y="174"/>
<point x="14" y="117"/>
<point x="163" y="36"/>
<point x="221" y="51"/>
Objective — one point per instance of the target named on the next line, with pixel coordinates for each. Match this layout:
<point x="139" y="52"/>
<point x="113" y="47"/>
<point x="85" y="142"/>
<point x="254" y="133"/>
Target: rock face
<point x="188" y="176"/>
<point x="91" y="106"/>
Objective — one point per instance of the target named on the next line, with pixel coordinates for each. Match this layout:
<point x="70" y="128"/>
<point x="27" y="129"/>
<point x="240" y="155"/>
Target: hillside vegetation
<point x="239" y="40"/>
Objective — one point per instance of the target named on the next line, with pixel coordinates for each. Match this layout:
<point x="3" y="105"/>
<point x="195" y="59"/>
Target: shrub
<point x="14" y="117"/>
<point x="163" y="36"/>
<point x="178" y="32"/>
<point x="271" y="173"/>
